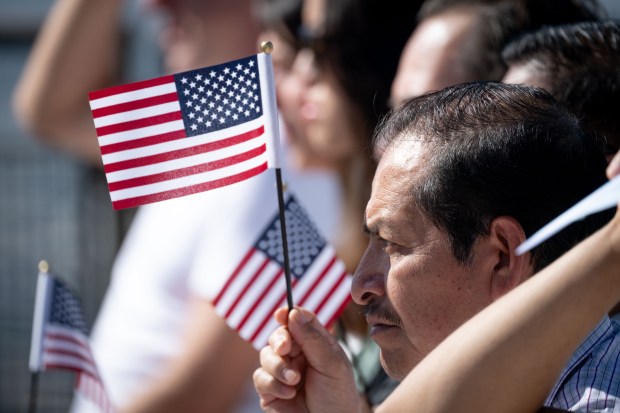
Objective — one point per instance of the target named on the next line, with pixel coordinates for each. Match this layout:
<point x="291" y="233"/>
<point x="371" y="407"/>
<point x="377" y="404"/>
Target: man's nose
<point x="369" y="278"/>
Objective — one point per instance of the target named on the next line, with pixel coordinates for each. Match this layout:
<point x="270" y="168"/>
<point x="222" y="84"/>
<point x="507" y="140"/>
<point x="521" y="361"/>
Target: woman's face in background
<point x="323" y="125"/>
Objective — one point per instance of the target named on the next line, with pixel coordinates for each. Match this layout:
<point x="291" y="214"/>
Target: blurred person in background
<point x="461" y="40"/>
<point x="158" y="341"/>
<point x="579" y="64"/>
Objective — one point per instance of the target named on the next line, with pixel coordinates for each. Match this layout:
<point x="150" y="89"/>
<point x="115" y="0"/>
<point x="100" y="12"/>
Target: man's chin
<point x="394" y="366"/>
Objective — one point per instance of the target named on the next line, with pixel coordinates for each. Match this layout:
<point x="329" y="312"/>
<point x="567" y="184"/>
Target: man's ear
<point x="507" y="268"/>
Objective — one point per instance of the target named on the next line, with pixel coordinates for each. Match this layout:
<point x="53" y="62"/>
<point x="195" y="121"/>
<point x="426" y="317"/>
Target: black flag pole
<point x="34" y="389"/>
<point x="287" y="267"/>
<point x="267" y="47"/>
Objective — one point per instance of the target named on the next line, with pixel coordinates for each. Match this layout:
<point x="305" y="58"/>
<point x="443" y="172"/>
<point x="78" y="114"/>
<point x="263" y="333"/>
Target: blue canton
<point x="65" y="309"/>
<point x="304" y="240"/>
<point x="219" y="97"/>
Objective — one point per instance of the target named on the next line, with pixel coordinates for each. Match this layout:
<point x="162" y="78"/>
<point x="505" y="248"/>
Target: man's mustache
<point x="375" y="309"/>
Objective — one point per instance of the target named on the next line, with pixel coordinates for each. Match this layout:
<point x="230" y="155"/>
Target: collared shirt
<point x="591" y="380"/>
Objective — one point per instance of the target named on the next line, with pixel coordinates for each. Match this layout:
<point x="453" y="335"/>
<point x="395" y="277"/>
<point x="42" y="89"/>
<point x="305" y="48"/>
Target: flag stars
<point x="238" y="67"/>
<point x="220" y="78"/>
<point x="201" y="89"/>
<point x="235" y="116"/>
<point x="198" y="76"/>
<point x="226" y="70"/>
<point x="194" y="96"/>
<point x="228" y="82"/>
<point x="222" y="120"/>
<point x="194" y="127"/>
<point x="184" y="80"/>
<point x="208" y="123"/>
<point x="192" y="85"/>
<point x="212" y="73"/>
<point x="186" y="92"/>
<point x="251" y="63"/>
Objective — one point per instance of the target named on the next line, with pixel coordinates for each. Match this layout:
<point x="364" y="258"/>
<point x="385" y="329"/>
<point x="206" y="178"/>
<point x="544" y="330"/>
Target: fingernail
<point x="290" y="375"/>
<point x="301" y="318"/>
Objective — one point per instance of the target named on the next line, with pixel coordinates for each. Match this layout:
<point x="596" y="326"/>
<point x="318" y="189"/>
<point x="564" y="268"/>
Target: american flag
<point x="257" y="287"/>
<point x="60" y="339"/>
<point x="186" y="133"/>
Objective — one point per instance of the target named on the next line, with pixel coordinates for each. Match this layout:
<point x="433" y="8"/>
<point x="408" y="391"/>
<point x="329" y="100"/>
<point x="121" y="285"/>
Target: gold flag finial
<point x="43" y="266"/>
<point x="266" y="47"/>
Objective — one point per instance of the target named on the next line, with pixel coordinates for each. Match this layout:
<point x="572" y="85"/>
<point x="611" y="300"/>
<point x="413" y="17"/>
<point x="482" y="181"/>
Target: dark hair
<point x="580" y="66"/>
<point x="499" y="21"/>
<point x="362" y="41"/>
<point x="497" y="149"/>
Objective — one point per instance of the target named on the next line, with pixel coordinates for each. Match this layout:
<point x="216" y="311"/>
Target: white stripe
<point x="68" y="332"/>
<point x="187" y="180"/>
<point x="133" y="95"/>
<point x="137" y="114"/>
<point x="168" y="127"/>
<point x="262" y="339"/>
<point x="322" y="289"/>
<point x="244" y="276"/>
<point x="139" y="133"/>
<point x="60" y="344"/>
<point x="191" y="160"/>
<point x="171" y="146"/>
<point x="334" y="302"/>
<point x="256" y="289"/>
<point x="68" y="361"/>
<point x="312" y="273"/>
<point x="273" y="298"/>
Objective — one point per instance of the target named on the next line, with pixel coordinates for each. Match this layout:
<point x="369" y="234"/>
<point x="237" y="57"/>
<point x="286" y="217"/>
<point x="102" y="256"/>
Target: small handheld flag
<point x="60" y="340"/>
<point x="188" y="132"/>
<point x="253" y="292"/>
<point x="605" y="197"/>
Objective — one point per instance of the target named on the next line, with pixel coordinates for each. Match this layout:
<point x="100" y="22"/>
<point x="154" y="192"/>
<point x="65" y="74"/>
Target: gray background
<point x="54" y="208"/>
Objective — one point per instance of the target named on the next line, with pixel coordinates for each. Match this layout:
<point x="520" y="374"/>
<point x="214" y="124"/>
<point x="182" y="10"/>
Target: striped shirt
<point x="591" y="380"/>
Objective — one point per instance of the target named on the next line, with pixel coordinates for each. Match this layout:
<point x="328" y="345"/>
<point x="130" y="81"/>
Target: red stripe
<point x="69" y="338"/>
<point x="190" y="170"/>
<point x="278" y="304"/>
<point x="130" y="87"/>
<point x="260" y="299"/>
<point x="133" y="105"/>
<point x="234" y="275"/>
<point x="175" y="193"/>
<point x="318" y="280"/>
<point x="182" y="153"/>
<point x="139" y="123"/>
<point x="331" y="292"/>
<point x="142" y="142"/>
<point x="247" y="285"/>
<point x="65" y="352"/>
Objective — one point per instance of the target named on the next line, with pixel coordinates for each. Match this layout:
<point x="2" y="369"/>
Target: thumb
<point x="320" y="347"/>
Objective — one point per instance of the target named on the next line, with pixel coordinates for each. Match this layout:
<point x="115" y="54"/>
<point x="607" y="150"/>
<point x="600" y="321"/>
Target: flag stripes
<point x="181" y="134"/>
<point x="257" y="288"/>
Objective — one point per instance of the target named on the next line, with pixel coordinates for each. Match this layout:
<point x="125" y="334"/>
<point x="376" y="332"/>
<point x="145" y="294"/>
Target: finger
<point x="320" y="348"/>
<point x="283" y="369"/>
<point x="613" y="168"/>
<point x="281" y="315"/>
<point x="269" y="388"/>
<point x="281" y="341"/>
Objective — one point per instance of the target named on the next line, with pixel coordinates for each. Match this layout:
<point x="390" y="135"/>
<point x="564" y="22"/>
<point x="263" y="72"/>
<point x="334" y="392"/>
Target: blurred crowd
<point x="354" y="79"/>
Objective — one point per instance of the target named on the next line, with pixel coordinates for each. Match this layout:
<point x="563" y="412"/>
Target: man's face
<point x="414" y="291"/>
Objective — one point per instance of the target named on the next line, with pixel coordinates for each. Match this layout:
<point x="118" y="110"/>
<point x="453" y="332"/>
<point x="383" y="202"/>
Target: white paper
<point x="607" y="196"/>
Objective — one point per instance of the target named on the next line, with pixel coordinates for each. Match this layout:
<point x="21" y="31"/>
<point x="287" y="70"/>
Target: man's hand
<point x="304" y="369"/>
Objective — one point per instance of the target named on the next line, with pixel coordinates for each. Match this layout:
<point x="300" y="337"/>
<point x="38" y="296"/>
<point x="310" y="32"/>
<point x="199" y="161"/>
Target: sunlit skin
<point x="414" y="290"/>
<point x="431" y="58"/>
<point x="186" y="24"/>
